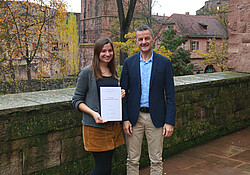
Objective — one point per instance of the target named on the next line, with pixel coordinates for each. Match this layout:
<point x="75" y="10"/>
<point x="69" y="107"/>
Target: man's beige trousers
<point x="155" y="145"/>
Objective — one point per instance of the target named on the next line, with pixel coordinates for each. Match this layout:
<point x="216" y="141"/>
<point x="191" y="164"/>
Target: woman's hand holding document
<point x="111" y="104"/>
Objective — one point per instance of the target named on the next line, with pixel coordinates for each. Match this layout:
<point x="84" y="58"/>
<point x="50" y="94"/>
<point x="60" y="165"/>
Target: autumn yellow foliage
<point x="131" y="48"/>
<point x="27" y="30"/>
<point x="217" y="55"/>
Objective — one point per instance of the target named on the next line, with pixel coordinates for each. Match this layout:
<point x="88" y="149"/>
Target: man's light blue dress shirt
<point x="145" y="68"/>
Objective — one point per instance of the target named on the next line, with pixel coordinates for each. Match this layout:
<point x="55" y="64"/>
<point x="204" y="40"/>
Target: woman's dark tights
<point x="103" y="163"/>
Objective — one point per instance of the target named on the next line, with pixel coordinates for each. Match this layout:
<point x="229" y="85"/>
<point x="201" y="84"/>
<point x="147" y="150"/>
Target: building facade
<point x="96" y="20"/>
<point x="239" y="35"/>
<point x="39" y="43"/>
<point x="199" y="30"/>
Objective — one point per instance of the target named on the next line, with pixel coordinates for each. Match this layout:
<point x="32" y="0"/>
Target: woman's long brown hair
<point x="96" y="60"/>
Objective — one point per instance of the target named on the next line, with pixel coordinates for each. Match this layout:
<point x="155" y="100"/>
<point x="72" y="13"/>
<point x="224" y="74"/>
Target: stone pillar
<point x="239" y="35"/>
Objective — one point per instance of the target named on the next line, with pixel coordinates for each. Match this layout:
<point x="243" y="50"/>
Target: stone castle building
<point x="97" y="17"/>
<point x="239" y="35"/>
<point x="96" y="20"/>
<point x="210" y="6"/>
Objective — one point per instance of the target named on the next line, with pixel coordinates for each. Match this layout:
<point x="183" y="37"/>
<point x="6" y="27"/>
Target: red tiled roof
<point x="160" y="18"/>
<point x="198" y="26"/>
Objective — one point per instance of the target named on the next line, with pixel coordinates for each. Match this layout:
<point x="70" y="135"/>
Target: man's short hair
<point x="142" y="28"/>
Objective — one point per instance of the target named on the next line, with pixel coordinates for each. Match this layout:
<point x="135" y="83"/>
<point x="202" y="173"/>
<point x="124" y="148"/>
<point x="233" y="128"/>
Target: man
<point x="149" y="104"/>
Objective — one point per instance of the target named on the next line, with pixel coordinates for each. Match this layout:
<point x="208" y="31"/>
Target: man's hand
<point x="123" y="92"/>
<point x="127" y="127"/>
<point x="167" y="130"/>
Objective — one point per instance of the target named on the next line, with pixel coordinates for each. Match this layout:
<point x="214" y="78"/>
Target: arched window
<point x="209" y="69"/>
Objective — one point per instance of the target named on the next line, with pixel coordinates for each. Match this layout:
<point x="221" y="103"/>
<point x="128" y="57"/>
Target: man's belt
<point x="144" y="109"/>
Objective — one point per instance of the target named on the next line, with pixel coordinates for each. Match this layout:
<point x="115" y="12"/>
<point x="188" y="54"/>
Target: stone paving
<point x="228" y="155"/>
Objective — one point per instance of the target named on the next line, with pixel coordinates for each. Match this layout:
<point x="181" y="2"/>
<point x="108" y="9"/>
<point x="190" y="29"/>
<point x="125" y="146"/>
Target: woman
<point x="99" y="137"/>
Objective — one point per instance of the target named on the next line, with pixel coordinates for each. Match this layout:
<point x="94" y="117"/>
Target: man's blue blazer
<point x="162" y="105"/>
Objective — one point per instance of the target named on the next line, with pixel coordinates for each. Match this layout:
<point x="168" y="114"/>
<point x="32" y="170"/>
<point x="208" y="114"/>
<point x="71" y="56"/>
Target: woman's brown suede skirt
<point x="102" y="139"/>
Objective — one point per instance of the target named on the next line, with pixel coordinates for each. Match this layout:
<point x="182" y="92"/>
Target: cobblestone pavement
<point x="228" y="155"/>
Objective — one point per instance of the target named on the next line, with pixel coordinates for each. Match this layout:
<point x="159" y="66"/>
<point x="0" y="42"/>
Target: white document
<point x="111" y="103"/>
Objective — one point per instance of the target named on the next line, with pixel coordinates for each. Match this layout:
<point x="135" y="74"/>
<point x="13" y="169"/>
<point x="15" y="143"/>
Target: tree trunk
<point x="125" y="22"/>
<point x="13" y="77"/>
<point x="123" y="56"/>
<point x="28" y="68"/>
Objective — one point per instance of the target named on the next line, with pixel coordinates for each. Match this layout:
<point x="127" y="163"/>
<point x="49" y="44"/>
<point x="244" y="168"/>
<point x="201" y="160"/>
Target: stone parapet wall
<point x="41" y="132"/>
<point x="239" y="35"/>
<point x="7" y="87"/>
